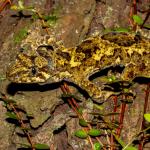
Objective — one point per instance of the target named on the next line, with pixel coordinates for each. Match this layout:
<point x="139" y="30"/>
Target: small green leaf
<point x="127" y="101"/>
<point x="7" y="101"/>
<point x="83" y="123"/>
<point x="100" y="107"/>
<point x="147" y="26"/>
<point x="107" y="31"/>
<point x="14" y="7"/>
<point x="10" y="101"/>
<point x="147" y="117"/>
<point x="119" y="140"/>
<point x="12" y="115"/>
<point x="112" y="78"/>
<point x="130" y="148"/>
<point x="35" y="16"/>
<point x="24" y="145"/>
<point x="30" y="8"/>
<point x="111" y="114"/>
<point x="97" y="146"/>
<point x="2" y="78"/>
<point x="120" y="29"/>
<point x="25" y="128"/>
<point x="21" y="4"/>
<point x="81" y="134"/>
<point x="41" y="146"/>
<point x="125" y="90"/>
<point x="51" y="18"/>
<point x="137" y="19"/>
<point x="80" y="110"/>
<point x="94" y="132"/>
<point x="21" y="35"/>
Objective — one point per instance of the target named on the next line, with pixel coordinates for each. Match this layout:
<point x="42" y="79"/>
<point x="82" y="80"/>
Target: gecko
<point x="48" y="61"/>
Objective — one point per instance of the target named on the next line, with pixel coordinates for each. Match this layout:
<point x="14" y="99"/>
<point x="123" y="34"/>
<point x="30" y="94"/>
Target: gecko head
<point x="31" y="67"/>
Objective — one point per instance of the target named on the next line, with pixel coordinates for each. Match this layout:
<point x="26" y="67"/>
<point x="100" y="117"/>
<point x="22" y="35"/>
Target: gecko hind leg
<point x="95" y="92"/>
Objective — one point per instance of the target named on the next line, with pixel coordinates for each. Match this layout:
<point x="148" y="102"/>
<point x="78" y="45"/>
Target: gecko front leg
<point x="95" y="92"/>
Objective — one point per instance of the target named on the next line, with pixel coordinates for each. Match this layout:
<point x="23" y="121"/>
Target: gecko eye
<point x="33" y="70"/>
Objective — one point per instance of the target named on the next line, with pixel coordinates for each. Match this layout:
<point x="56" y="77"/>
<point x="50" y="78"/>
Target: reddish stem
<point x="144" y="111"/>
<point x="133" y="11"/>
<point x="146" y="18"/>
<point x="4" y="5"/>
<point x="21" y="123"/>
<point x="113" y="118"/>
<point x="122" y="113"/>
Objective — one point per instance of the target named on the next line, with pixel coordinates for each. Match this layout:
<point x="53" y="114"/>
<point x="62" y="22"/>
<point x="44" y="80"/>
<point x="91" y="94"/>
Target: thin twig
<point x="23" y="126"/>
<point x="144" y="111"/>
<point x="4" y="5"/>
<point x="122" y="113"/>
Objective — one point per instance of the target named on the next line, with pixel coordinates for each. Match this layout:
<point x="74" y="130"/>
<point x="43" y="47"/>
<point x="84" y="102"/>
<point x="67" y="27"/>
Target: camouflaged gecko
<point x="77" y="64"/>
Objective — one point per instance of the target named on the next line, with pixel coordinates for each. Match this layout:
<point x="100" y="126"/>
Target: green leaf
<point x="35" y="16"/>
<point x="97" y="146"/>
<point x="81" y="134"/>
<point x="130" y="148"/>
<point x="137" y="19"/>
<point x="83" y="123"/>
<point x="112" y="78"/>
<point x="125" y="90"/>
<point x="94" y="132"/>
<point x="7" y="101"/>
<point x="120" y="29"/>
<point x="147" y="117"/>
<point x="111" y="114"/>
<point x="127" y="101"/>
<point x="2" y="78"/>
<point x="12" y="115"/>
<point x="14" y="7"/>
<point x="51" y="18"/>
<point x="118" y="140"/>
<point x="21" y="4"/>
<point x="24" y="145"/>
<point x="25" y="128"/>
<point x="41" y="146"/>
<point x="100" y="107"/>
<point x="10" y="101"/>
<point x="147" y="26"/>
<point x="21" y="35"/>
<point x="107" y="31"/>
<point x="80" y="110"/>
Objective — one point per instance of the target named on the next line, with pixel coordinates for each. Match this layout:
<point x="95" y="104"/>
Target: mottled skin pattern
<point x="77" y="64"/>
